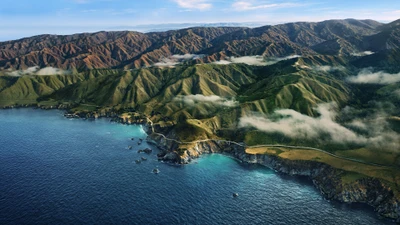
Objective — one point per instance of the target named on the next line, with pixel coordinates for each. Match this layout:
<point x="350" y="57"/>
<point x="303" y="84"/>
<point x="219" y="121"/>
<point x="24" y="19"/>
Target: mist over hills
<point x="213" y="75"/>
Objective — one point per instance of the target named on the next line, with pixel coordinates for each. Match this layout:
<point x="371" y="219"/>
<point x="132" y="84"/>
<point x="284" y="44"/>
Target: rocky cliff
<point x="328" y="181"/>
<point x="325" y="178"/>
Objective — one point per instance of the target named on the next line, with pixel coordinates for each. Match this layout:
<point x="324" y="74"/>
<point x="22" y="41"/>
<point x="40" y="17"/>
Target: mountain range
<point x="184" y="74"/>
<point x="128" y="49"/>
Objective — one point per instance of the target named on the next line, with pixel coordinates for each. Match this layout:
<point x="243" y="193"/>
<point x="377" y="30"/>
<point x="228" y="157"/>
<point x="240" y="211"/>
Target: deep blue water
<point x="55" y="170"/>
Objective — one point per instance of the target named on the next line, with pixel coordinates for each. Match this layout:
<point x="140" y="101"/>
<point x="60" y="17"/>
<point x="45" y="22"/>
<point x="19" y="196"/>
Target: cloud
<point x="296" y="125"/>
<point x="52" y="71"/>
<point x="222" y="62"/>
<point x="247" y="5"/>
<point x="250" y="60"/>
<point x="176" y="59"/>
<point x="376" y="132"/>
<point x="271" y="61"/>
<point x="254" y="60"/>
<point x="187" y="57"/>
<point x="191" y="100"/>
<point x="328" y="68"/>
<point x="166" y="62"/>
<point x="194" y="4"/>
<point x="35" y="70"/>
<point x="28" y="71"/>
<point x="362" y="53"/>
<point x="366" y="76"/>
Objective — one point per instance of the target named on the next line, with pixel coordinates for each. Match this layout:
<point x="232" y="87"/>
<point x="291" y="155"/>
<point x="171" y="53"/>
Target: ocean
<point x="55" y="170"/>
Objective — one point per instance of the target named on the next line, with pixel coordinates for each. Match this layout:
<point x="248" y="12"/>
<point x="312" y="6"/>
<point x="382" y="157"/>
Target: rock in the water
<point x="148" y="150"/>
<point x="171" y="157"/>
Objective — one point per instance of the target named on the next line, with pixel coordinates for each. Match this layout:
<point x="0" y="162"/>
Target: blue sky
<point x="22" y="18"/>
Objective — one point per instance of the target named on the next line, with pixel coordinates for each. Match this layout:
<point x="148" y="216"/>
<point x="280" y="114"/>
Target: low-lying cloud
<point x="35" y="70"/>
<point x="174" y="60"/>
<point x="362" y="53"/>
<point x="373" y="131"/>
<point x="222" y="62"/>
<point x="271" y="61"/>
<point x="249" y="60"/>
<point x="366" y="76"/>
<point x="296" y="125"/>
<point x="254" y="60"/>
<point x="191" y="100"/>
<point x="328" y="68"/>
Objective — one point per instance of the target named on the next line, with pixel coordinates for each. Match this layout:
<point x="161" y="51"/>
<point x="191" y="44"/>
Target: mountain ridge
<point x="130" y="49"/>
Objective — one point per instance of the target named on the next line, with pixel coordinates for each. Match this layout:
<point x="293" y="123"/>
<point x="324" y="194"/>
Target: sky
<point x="23" y="18"/>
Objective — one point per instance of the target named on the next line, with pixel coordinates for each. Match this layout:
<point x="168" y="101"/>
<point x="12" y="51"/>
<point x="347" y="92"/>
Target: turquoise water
<point x="56" y="170"/>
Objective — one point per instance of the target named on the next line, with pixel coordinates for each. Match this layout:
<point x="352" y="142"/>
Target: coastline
<point x="370" y="191"/>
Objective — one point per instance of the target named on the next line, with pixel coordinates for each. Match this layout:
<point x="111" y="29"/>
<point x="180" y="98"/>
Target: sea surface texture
<point x="55" y="170"/>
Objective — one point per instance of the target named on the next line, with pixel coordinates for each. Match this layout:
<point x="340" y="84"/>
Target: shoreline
<point x="368" y="191"/>
<point x="325" y="178"/>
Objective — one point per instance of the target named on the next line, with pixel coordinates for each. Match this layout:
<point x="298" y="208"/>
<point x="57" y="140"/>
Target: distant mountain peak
<point x="131" y="49"/>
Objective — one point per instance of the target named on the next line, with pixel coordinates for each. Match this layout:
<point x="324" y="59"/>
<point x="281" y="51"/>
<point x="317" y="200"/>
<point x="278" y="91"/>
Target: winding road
<point x="271" y="146"/>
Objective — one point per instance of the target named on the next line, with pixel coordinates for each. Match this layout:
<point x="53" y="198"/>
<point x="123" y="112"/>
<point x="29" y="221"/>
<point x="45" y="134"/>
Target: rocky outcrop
<point x="325" y="178"/>
<point x="328" y="181"/>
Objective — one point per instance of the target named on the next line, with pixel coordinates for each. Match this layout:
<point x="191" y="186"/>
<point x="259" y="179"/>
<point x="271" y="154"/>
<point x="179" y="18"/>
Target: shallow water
<point x="56" y="170"/>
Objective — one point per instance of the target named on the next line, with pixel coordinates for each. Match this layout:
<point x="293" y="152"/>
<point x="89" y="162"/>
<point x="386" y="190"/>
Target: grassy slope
<point x="153" y="91"/>
<point x="354" y="170"/>
<point x="259" y="89"/>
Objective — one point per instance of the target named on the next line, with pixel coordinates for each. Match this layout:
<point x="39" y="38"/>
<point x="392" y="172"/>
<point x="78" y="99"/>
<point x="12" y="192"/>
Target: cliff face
<point x="326" y="179"/>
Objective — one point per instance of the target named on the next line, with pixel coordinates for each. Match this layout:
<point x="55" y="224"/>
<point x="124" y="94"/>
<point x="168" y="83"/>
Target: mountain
<point x="120" y="69"/>
<point x="128" y="49"/>
<point x="115" y="69"/>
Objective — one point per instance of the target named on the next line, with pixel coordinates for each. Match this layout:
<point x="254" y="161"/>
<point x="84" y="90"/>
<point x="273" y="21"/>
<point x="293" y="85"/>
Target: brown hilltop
<point x="128" y="49"/>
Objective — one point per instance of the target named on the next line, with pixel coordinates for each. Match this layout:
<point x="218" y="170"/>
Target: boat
<point x="137" y="161"/>
<point x="235" y="195"/>
<point x="156" y="170"/>
<point x="144" y="159"/>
